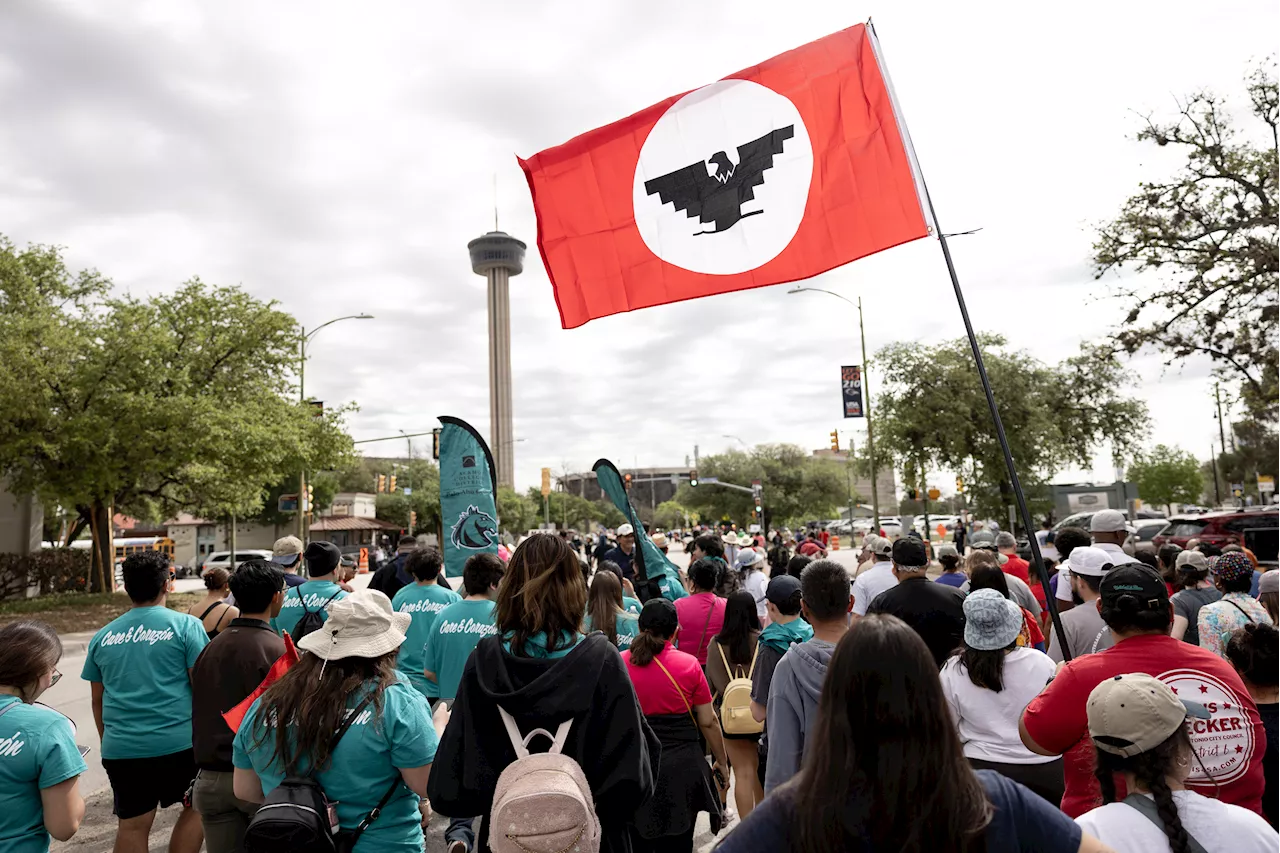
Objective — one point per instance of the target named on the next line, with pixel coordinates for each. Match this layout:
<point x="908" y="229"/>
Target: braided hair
<point x="1152" y="770"/>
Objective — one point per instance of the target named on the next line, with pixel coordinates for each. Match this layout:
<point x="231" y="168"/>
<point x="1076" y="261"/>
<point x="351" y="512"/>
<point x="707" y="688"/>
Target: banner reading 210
<point x="468" y="507"/>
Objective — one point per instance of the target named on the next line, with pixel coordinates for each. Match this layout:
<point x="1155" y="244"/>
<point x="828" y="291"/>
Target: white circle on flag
<point x="723" y="179"/>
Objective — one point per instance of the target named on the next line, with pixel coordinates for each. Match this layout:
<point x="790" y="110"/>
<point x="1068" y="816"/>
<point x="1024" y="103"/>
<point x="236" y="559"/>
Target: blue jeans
<point x="459" y="829"/>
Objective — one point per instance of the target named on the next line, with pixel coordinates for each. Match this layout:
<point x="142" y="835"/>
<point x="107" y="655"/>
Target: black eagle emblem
<point x="718" y="198"/>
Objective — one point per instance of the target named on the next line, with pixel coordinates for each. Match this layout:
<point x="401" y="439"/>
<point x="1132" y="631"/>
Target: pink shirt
<point x="655" y="691"/>
<point x="696" y="632"/>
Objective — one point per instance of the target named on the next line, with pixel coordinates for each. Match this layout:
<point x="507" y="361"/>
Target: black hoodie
<point x="609" y="738"/>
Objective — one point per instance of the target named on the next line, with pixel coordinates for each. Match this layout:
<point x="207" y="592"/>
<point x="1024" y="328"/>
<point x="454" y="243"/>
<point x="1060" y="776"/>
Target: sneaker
<point x="459" y="847"/>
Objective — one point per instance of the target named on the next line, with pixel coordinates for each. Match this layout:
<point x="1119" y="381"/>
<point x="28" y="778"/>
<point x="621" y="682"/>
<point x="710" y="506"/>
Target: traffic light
<point x="835" y="440"/>
<point x="626" y="482"/>
<point x="382" y="483"/>
<point x="959" y="483"/>
<point x="391" y="484"/>
<point x="693" y="477"/>
<point x="311" y="497"/>
<point x="759" y="509"/>
<point x="413" y="518"/>
<point x="435" y="444"/>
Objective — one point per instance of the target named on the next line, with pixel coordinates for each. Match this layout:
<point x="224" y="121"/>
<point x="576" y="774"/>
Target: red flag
<point x="775" y="174"/>
<point x="235" y="716"/>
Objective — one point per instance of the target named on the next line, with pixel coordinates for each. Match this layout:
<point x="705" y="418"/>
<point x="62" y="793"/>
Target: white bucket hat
<point x="362" y="625"/>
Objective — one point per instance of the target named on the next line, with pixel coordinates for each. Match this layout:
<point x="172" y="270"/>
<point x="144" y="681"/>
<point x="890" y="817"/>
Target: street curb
<point x="74" y="644"/>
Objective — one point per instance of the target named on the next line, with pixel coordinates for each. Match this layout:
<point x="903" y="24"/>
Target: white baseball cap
<point x="625" y="530"/>
<point x="1107" y="521"/>
<point x="1093" y="562"/>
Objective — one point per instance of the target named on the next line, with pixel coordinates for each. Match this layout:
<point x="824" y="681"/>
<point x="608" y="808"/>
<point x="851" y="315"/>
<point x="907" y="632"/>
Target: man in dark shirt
<point x="395" y="575"/>
<point x="229" y="669"/>
<point x="934" y="610"/>
<point x="624" y="554"/>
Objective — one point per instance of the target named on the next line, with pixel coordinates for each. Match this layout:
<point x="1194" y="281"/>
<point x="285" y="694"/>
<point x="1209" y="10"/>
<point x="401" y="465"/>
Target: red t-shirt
<point x="1231" y="743"/>
<point x="655" y="691"/>
<point x="825" y="537"/>
<point x="809" y="548"/>
<point x="696" y="630"/>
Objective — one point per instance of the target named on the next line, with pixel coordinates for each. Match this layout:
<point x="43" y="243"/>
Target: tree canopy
<point x="1167" y="475"/>
<point x="798" y="487"/>
<point x="179" y="402"/>
<point x="933" y="413"/>
<point x="1208" y="237"/>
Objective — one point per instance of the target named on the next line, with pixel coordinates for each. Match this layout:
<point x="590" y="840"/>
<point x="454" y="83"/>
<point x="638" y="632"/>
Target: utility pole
<point x="1217" y="491"/>
<point x="1222" y="438"/>
<point x="871" y="442"/>
<point x="848" y="470"/>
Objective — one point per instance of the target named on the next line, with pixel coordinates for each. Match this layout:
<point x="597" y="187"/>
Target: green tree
<point x="1208" y="236"/>
<point x="516" y="513"/>
<point x="567" y="511"/>
<point x="671" y="514"/>
<point x="797" y="486"/>
<point x="1166" y="476"/>
<point x="933" y="413"/>
<point x="148" y="407"/>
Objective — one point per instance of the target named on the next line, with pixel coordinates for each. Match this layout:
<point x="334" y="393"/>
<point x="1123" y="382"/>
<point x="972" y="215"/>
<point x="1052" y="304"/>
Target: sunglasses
<point x="57" y="676"/>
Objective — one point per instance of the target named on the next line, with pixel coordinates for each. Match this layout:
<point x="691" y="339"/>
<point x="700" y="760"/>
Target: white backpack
<point x="735" y="707"/>
<point x="542" y="803"/>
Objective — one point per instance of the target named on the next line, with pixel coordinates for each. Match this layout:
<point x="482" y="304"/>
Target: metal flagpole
<point x="1050" y="598"/>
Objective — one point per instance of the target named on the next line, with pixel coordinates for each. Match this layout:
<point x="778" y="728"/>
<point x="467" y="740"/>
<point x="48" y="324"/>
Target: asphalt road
<point x="71" y="696"/>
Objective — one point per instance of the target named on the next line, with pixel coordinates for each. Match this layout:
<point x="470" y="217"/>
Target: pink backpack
<point x="543" y="803"/>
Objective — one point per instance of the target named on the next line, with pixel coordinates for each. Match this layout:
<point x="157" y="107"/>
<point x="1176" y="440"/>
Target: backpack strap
<point x="728" y="669"/>
<point x="1149" y="810"/>
<point x="521" y="743"/>
<point x="751" y="672"/>
<point x="676" y="685"/>
<point x="302" y="599"/>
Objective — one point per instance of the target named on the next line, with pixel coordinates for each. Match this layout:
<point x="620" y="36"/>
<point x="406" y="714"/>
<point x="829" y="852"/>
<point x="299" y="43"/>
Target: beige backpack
<point x="735" y="708"/>
<point x="542" y="803"/>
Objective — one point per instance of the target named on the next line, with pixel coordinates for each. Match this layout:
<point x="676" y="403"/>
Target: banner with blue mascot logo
<point x="468" y="488"/>
<point x="655" y="574"/>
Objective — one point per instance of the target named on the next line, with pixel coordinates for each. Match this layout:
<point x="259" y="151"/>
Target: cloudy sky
<point x="337" y="157"/>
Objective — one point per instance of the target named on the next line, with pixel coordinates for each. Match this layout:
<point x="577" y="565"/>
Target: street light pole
<point x="303" y="337"/>
<point x="866" y="388"/>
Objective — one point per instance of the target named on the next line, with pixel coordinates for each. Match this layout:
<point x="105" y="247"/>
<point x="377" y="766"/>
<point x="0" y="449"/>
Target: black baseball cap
<point x="1135" y="579"/>
<point x="910" y="553"/>
<point x="782" y="589"/>
<point x="322" y="558"/>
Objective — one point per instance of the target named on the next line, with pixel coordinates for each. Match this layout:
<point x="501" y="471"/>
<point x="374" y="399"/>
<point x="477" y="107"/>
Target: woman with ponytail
<point x="676" y="702"/>
<point x="1139" y="732"/>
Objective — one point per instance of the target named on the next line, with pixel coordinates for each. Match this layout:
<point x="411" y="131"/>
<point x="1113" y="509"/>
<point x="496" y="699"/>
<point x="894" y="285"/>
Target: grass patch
<point x="71" y="612"/>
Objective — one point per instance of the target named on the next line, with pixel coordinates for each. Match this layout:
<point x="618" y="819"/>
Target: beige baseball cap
<point x="1133" y="713"/>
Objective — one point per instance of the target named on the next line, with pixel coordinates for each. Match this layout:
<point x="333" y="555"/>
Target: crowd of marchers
<point x="916" y="702"/>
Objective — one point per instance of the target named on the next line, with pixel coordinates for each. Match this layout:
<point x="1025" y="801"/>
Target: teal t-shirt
<point x="453" y="636"/>
<point x="364" y="764"/>
<point x="37" y="750"/>
<point x="536" y="645"/>
<point x="424" y="604"/>
<point x="317" y="593"/>
<point x="631" y="605"/>
<point x="141" y="660"/>
<point x="627" y="626"/>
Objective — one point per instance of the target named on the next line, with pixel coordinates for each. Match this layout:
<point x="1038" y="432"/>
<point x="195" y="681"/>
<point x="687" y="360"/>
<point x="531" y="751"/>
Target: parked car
<point x="1256" y="528"/>
<point x="947" y="521"/>
<point x="222" y="559"/>
<point x="1081" y="519"/>
<point x="1144" y="531"/>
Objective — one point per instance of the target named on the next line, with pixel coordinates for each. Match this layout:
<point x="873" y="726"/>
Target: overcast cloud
<point x="337" y="157"/>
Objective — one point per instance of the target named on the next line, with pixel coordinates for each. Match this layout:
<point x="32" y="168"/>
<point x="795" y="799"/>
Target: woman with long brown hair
<point x="883" y="769"/>
<point x="40" y="765"/>
<point x="364" y="732"/>
<point x="607" y="613"/>
<point x="733" y="655"/>
<point x="540" y="671"/>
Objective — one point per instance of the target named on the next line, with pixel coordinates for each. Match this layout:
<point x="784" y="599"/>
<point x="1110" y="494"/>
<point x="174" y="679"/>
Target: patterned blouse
<point x="1234" y="610"/>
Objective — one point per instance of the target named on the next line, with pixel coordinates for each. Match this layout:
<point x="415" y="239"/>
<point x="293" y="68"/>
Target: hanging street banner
<point x="851" y="391"/>
<point x="655" y="574"/>
<point x="468" y="487"/>
<point x="777" y="173"/>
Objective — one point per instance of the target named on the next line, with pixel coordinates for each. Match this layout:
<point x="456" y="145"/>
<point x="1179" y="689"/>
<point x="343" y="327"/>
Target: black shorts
<point x="141" y="784"/>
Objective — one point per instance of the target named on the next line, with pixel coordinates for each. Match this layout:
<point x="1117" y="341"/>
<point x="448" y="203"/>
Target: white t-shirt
<point x="988" y="721"/>
<point x="1219" y="827"/>
<point x="871" y="583"/>
<point x="756" y="584"/>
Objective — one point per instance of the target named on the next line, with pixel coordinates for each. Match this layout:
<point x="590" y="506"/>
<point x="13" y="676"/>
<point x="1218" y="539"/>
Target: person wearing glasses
<point x="40" y="765"/>
<point x="139" y="668"/>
